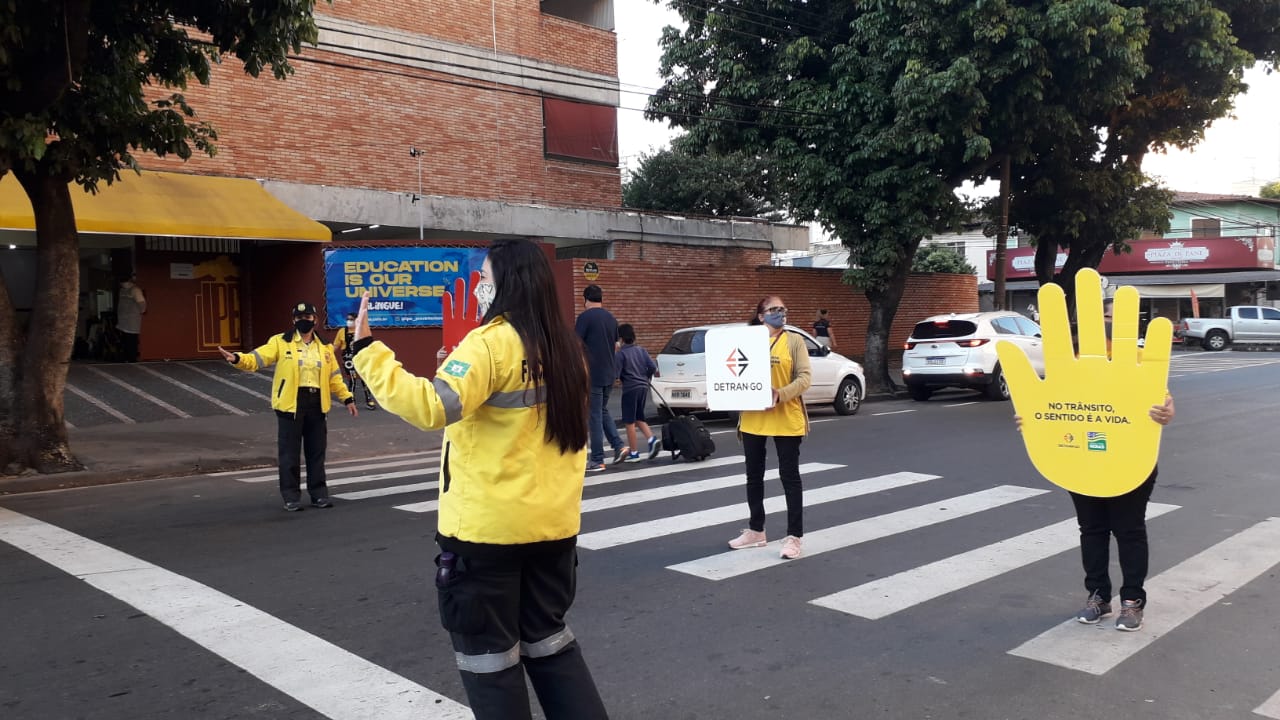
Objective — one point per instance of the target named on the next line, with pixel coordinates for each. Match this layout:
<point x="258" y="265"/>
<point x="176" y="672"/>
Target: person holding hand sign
<point x="306" y="375"/>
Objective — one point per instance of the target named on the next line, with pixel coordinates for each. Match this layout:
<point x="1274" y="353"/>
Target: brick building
<point x="427" y="129"/>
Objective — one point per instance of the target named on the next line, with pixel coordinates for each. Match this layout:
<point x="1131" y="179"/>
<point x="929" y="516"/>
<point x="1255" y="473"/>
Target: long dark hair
<point x="526" y="296"/>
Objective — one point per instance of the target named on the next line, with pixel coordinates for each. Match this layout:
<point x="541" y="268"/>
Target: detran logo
<point x="736" y="362"/>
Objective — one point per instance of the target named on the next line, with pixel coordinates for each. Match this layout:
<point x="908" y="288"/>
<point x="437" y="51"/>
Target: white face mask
<point x="351" y="325"/>
<point x="485" y="292"/>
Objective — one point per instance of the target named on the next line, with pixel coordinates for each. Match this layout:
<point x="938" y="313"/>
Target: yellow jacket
<point x="501" y="482"/>
<point x="281" y="351"/>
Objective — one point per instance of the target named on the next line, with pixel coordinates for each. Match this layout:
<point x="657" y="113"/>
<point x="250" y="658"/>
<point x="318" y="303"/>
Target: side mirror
<point x="824" y="350"/>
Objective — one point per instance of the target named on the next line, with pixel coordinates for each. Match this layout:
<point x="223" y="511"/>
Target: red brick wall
<point x="521" y="28"/>
<point x="661" y="288"/>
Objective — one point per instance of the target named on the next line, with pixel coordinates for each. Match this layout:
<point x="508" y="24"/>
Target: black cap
<point x="593" y="293"/>
<point x="304" y="308"/>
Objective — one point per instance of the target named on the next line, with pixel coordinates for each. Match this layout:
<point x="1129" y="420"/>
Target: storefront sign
<point x="591" y="271"/>
<point x="406" y="283"/>
<point x="182" y="271"/>
<point x="1196" y="254"/>
<point x="738" y="368"/>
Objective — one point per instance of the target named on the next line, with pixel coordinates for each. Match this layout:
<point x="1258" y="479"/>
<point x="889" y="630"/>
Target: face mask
<point x="351" y="325"/>
<point x="304" y="326"/>
<point x="485" y="292"/>
<point x="775" y="320"/>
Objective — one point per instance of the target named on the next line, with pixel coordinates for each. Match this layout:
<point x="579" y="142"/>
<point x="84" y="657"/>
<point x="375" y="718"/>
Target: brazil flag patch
<point x="456" y="368"/>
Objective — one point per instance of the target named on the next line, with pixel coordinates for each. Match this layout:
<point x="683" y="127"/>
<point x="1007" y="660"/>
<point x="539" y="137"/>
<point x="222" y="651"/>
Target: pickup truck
<point x="1243" y="324"/>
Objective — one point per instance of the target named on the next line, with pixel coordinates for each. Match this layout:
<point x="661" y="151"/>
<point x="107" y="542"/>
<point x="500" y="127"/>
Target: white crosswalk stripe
<point x="425" y="464"/>
<point x="733" y="563"/>
<point x="1183" y="590"/>
<point x="648" y="530"/>
<point x="334" y="466"/>
<point x="886" y="596"/>
<point x="1212" y="362"/>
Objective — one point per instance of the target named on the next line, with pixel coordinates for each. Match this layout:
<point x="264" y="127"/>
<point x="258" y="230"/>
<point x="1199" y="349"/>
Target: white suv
<point x="682" y="373"/>
<point x="960" y="351"/>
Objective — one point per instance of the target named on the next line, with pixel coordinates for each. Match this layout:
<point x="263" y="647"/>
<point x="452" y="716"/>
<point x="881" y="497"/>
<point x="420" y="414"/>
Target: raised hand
<point x="1088" y="425"/>
<point x="461" y="312"/>
<point x="362" y="319"/>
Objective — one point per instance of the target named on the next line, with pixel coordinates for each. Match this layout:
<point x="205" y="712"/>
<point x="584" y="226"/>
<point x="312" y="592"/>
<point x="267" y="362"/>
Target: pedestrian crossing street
<point x="1199" y="363"/>
<point x="1185" y="590"/>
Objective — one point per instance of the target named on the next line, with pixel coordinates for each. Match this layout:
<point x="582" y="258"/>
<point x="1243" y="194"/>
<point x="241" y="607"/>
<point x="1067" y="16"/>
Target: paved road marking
<point x="332" y="681"/>
<point x="330" y="470"/>
<point x="1183" y="591"/>
<point x="733" y="563"/>
<point x="689" y="488"/>
<point x="1270" y="708"/>
<point x="202" y="395"/>
<point x="609" y="476"/>
<point x="894" y="412"/>
<point x="650" y="529"/>
<point x="971" y="402"/>
<point x="224" y="381"/>
<point x="393" y="490"/>
<point x="138" y="391"/>
<point x="100" y="405"/>
<point x="888" y="595"/>
<point x="330" y="465"/>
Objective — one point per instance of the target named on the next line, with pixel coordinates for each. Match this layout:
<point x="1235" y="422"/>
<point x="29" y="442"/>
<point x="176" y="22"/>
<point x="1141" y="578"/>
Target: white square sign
<point x="738" y="368"/>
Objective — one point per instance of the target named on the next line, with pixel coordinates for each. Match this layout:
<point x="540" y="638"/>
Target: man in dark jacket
<point x="599" y="332"/>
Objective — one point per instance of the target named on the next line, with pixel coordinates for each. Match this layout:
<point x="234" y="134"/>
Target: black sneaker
<point x="1130" y="618"/>
<point x="322" y="503"/>
<point x="371" y="405"/>
<point x="620" y="453"/>
<point x="293" y="507"/>
<point x="1094" y="610"/>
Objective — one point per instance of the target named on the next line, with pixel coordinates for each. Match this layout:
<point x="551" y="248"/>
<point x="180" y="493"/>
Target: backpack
<point x="684" y="436"/>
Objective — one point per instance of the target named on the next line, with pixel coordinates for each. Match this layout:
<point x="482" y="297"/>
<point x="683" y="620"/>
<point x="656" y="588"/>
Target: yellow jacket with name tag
<point x="501" y="482"/>
<point x="285" y="352"/>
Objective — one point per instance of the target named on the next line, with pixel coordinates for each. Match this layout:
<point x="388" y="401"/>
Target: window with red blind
<point x="580" y="131"/>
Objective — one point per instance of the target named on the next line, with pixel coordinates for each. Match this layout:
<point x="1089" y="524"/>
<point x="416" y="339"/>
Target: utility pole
<point x="1002" y="235"/>
<point x="416" y="153"/>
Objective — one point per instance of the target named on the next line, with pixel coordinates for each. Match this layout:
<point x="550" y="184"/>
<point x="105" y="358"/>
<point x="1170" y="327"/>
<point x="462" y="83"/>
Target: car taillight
<point x="657" y="372"/>
<point x="909" y="346"/>
<point x="976" y="342"/>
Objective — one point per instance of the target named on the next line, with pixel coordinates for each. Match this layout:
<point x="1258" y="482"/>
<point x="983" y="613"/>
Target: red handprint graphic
<point x="461" y="313"/>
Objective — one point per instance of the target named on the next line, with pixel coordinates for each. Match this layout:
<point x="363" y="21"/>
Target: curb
<point x="17" y="485"/>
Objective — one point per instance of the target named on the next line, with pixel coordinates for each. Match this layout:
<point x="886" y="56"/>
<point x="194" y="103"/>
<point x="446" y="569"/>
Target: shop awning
<point x="173" y="205"/>
<point x="1181" y="282"/>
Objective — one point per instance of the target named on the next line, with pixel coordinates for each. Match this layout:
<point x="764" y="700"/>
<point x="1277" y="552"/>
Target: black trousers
<point x="129" y="346"/>
<point x="754" y="447"/>
<point x="354" y="381"/>
<point x="504" y="608"/>
<point x="1124" y="516"/>
<point x="297" y="433"/>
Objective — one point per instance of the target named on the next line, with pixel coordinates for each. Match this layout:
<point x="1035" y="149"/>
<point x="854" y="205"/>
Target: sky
<point x="1237" y="156"/>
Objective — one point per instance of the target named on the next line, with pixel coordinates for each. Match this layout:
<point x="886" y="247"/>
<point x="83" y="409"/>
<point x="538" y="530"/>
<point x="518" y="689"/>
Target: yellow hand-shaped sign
<point x="1085" y="424"/>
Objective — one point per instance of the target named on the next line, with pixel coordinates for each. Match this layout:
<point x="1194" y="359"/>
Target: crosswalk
<point x="685" y="493"/>
<point x="1199" y="363"/>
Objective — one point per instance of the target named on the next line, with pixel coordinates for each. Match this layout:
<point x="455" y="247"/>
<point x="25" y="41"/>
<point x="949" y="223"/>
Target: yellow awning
<point x="172" y="205"/>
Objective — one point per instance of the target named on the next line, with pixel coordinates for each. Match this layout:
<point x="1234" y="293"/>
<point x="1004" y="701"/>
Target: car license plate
<point x="681" y="394"/>
<point x="937" y="361"/>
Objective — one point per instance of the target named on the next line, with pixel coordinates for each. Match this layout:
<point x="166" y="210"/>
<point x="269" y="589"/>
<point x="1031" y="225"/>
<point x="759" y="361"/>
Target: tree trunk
<point x="884" y="307"/>
<point x="8" y="378"/>
<point x="42" y="431"/>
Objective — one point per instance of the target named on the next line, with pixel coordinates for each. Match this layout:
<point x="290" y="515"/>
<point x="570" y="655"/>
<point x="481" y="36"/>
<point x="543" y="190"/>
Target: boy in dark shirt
<point x="635" y="368"/>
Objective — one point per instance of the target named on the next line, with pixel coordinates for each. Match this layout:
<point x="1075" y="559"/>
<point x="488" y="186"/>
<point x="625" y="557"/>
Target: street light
<point x="416" y="153"/>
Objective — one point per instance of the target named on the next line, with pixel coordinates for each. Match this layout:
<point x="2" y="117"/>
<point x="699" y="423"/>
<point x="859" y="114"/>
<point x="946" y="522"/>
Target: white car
<point x="681" y="379"/>
<point x="959" y="350"/>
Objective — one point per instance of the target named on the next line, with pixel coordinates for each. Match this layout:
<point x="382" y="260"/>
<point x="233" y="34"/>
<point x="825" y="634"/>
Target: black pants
<point x="504" y="608"/>
<point x="1124" y="516"/>
<point x="305" y="429"/>
<point x="129" y="346"/>
<point x="754" y="446"/>
<point x="354" y="382"/>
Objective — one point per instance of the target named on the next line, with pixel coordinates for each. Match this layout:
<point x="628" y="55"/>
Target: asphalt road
<point x="939" y="571"/>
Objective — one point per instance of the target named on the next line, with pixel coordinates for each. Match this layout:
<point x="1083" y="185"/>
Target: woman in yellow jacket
<point x="513" y="401"/>
<point x="786" y="422"/>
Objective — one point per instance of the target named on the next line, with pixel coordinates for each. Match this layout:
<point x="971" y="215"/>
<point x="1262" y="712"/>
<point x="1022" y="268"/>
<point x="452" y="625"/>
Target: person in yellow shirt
<point x="342" y="347"/>
<point x="512" y="399"/>
<point x="306" y="375"/>
<point x="786" y="422"/>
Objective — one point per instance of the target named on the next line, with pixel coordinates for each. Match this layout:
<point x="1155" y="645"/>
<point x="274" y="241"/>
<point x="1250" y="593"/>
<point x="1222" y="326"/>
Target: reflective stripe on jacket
<point x="501" y="482"/>
<point x="283" y="351"/>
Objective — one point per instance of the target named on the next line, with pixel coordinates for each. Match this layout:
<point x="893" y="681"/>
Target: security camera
<point x="414" y="152"/>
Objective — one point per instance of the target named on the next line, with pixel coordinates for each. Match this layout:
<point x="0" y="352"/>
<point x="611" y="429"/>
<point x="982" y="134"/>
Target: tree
<point x="86" y="86"/>
<point x="873" y="113"/>
<point x="687" y="179"/>
<point x="1270" y="191"/>
<point x="941" y="259"/>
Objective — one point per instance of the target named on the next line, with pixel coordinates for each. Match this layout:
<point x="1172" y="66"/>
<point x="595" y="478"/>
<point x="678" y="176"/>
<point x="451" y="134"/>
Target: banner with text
<point x="407" y="283"/>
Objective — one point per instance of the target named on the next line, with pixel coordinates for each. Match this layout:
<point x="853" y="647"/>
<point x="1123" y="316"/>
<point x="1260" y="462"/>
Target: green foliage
<point x="686" y="179"/>
<point x="1270" y="191"/>
<point x="87" y="84"/>
<point x="941" y="259"/>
